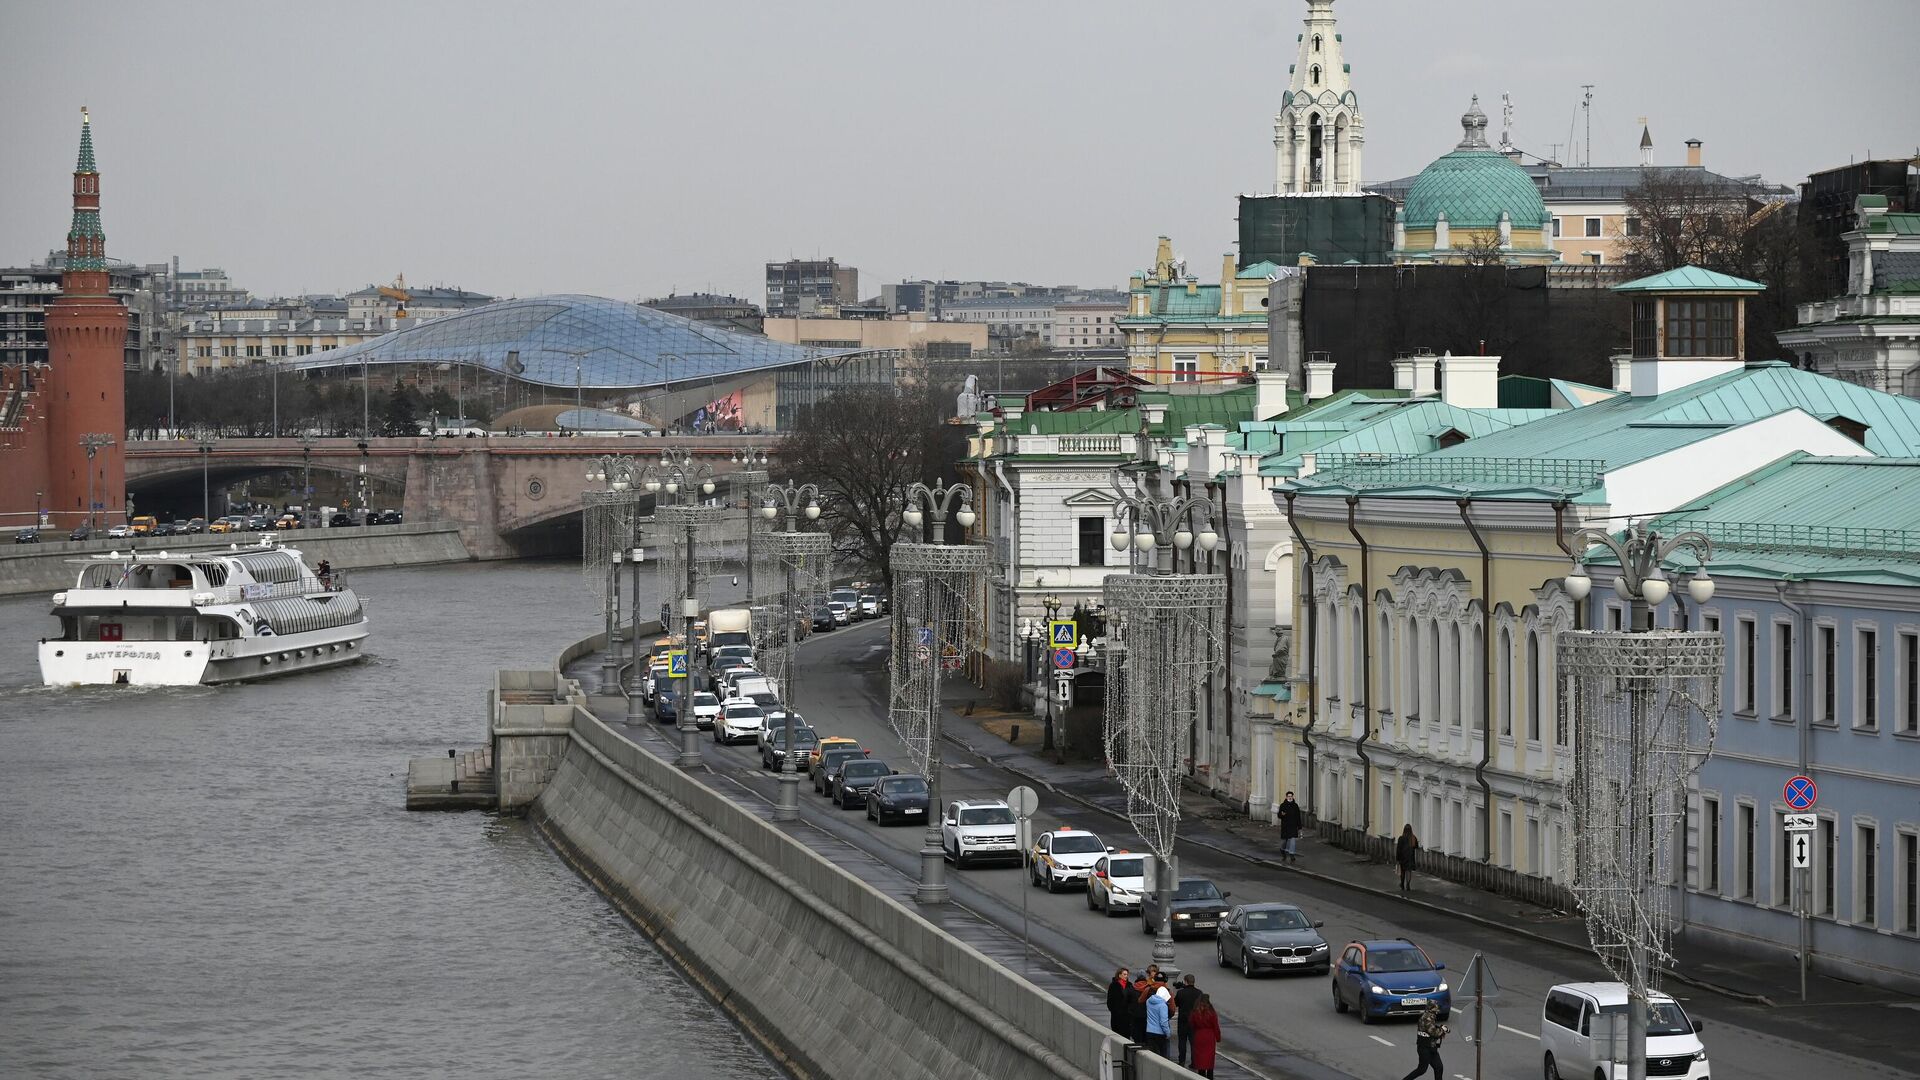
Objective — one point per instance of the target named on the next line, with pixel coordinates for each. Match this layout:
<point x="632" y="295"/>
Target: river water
<point x="222" y="882"/>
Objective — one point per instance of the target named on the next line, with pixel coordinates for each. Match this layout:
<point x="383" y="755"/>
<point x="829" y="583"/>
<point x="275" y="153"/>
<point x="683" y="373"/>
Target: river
<point x="221" y="882"/>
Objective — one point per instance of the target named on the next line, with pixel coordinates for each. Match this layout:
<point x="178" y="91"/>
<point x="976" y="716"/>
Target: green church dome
<point x="1472" y="185"/>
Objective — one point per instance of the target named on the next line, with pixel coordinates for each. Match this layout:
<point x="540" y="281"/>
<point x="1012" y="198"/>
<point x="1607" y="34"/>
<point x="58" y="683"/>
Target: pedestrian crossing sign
<point x="676" y="663"/>
<point x="1063" y="633"/>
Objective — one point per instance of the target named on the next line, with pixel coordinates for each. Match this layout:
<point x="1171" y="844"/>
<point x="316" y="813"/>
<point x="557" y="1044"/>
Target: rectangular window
<point x="1709" y="844"/>
<point x="1824" y="855"/>
<point x="1743" y="673"/>
<point x="1866" y="875"/>
<point x="1186" y="369"/>
<point x="1710" y="623"/>
<point x="1093" y="541"/>
<point x="1743" y="870"/>
<point x="1593" y="226"/>
<point x="1783" y="670"/>
<point x="1556" y="228"/>
<point x="1866" y="680"/>
<point x="1909" y="883"/>
<point x="1699" y="328"/>
<point x="1646" y="339"/>
<point x="1616" y="617"/>
<point x="1633" y="226"/>
<point x="1907" y="680"/>
<point x="1829" y="670"/>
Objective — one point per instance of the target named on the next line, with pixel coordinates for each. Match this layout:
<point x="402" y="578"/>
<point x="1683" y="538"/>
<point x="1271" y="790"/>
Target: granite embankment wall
<point x="43" y="567"/>
<point x="832" y="976"/>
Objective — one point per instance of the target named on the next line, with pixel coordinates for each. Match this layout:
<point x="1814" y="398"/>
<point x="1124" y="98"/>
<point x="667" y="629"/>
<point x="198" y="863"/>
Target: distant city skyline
<point x="636" y="150"/>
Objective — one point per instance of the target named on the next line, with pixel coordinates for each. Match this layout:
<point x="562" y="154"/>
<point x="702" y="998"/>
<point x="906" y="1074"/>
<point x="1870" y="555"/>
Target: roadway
<point x="1276" y="1026"/>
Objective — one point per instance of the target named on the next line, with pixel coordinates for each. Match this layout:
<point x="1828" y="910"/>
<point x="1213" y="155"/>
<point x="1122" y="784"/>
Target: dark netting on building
<point x="1333" y="228"/>
<point x="1544" y="322"/>
<point x="575" y="341"/>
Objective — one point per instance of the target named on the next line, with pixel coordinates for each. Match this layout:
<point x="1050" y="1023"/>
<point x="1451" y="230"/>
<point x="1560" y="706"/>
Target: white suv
<point x="975" y="829"/>
<point x="1576" y="1022"/>
<point x="740" y="720"/>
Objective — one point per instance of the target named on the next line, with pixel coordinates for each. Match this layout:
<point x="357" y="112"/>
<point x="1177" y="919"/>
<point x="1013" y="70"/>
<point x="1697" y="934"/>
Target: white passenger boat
<point x="154" y="618"/>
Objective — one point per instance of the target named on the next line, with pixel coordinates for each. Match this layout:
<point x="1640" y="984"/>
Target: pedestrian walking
<point x="1119" y="991"/>
<point x="1159" y="1020"/>
<point x="1290" y="820"/>
<point x="1405" y="851"/>
<point x="1427" y="1039"/>
<point x="1183" y="1002"/>
<point x="1206" y="1034"/>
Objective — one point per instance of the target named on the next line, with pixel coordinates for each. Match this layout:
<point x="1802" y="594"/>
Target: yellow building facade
<point x="1180" y="331"/>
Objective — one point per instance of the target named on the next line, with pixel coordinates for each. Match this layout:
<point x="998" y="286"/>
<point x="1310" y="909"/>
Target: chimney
<point x="1227" y="271"/>
<point x="1319" y="377"/>
<point x="1193" y="285"/>
<point x="1470" y="382"/>
<point x="1693" y="152"/>
<point x="1403" y="373"/>
<point x="1622" y="372"/>
<point x="1269" y="394"/>
<point x="1422" y="364"/>
<point x="1154" y="412"/>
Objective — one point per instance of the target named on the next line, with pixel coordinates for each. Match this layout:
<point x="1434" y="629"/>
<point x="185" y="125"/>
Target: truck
<point x="729" y="626"/>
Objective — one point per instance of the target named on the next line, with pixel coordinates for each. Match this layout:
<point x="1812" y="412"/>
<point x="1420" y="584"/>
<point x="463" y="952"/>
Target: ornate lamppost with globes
<point x="794" y="549"/>
<point x="678" y="474"/>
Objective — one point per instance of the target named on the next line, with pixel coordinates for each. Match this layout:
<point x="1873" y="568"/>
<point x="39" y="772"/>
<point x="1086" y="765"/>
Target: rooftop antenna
<point x="1506" y="123"/>
<point x="1586" y="107"/>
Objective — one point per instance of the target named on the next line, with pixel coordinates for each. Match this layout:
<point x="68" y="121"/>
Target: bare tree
<point x="1680" y="217"/>
<point x="864" y="446"/>
<point x="1484" y="250"/>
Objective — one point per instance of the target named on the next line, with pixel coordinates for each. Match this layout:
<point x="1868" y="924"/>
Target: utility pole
<point x="206" y="446"/>
<point x="93" y="444"/>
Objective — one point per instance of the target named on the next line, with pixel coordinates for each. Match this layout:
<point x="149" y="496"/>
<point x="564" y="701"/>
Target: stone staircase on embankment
<point x="459" y="781"/>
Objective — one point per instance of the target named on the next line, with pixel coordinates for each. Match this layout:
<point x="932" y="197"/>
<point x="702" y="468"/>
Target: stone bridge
<point x="512" y="495"/>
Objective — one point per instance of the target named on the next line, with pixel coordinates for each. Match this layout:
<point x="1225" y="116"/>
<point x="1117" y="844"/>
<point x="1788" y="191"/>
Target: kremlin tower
<point x="85" y="386"/>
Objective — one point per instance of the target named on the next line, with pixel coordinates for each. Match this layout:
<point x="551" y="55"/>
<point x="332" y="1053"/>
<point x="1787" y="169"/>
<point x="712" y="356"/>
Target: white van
<point x="751" y="683"/>
<point x="1578" y="1018"/>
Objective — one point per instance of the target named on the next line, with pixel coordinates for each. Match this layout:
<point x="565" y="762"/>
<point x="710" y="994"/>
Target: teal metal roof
<point x="1690" y="279"/>
<point x="1472" y="187"/>
<point x="1172" y="303"/>
<point x="1262" y="269"/>
<point x="86" y="164"/>
<point x="1898" y="224"/>
<point x="1385" y="428"/>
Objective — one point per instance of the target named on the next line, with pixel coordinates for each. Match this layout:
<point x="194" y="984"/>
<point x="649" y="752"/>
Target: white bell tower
<point x="1318" y="133"/>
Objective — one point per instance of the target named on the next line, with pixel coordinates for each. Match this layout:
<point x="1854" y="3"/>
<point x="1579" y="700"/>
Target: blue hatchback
<point x="1384" y="978"/>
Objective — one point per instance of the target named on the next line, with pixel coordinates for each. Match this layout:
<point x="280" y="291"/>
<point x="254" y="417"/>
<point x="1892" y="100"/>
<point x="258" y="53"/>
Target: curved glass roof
<point x="575" y="340"/>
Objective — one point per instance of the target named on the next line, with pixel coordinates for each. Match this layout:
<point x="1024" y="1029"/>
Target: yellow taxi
<point x="1064" y="858"/>
<point x="824" y="745"/>
<point x="143" y="524"/>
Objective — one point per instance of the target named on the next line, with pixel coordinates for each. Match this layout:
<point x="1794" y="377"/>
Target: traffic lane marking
<point x="1379" y="1040"/>
<point x="1517" y="1031"/>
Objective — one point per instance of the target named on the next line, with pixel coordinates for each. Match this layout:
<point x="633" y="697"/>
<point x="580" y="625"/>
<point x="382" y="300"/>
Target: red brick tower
<point x="86" y="342"/>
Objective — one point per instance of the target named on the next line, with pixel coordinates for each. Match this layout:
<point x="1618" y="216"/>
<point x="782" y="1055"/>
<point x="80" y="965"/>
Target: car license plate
<point x="915" y="809"/>
<point x="1413" y="1001"/>
<point x="1293" y="959"/>
<point x="1207" y="925"/>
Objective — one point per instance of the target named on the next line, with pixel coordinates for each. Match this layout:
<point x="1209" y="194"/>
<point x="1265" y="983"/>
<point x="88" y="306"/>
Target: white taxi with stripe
<point x="1063" y="857"/>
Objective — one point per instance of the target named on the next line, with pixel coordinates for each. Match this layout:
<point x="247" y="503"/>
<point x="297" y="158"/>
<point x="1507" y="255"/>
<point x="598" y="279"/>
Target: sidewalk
<point x="1766" y="986"/>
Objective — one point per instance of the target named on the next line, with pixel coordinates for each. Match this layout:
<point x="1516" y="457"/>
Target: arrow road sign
<point x="1801" y="793"/>
<point x="1062" y="634"/>
<point x="1802" y="852"/>
<point x="1798" y="822"/>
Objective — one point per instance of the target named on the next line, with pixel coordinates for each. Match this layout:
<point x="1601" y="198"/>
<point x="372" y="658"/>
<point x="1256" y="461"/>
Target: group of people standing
<point x="1149" y="1012"/>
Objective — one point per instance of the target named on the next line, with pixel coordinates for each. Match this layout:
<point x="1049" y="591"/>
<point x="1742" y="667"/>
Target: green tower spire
<point x="86" y="144"/>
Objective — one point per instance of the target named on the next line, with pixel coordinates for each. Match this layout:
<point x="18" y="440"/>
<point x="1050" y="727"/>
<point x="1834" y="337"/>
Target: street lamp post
<point x="614" y="474"/>
<point x="678" y="473"/>
<point x="1163" y="620"/>
<point x="1052" y="604"/>
<point x="206" y="446"/>
<point x="1643" y="583"/>
<point x="940" y="501"/>
<point x="306" y="461"/>
<point x="753" y="475"/>
<point x="789" y="498"/>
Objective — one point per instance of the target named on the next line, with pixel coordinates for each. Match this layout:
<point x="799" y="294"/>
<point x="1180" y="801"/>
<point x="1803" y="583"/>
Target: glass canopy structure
<point x="576" y="341"/>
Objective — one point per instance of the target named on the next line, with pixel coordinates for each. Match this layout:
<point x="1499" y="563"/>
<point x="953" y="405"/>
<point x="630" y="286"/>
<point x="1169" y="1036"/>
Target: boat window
<point x="216" y="573"/>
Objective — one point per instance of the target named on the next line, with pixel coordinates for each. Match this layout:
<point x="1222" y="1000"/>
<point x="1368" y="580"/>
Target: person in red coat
<point x="1206" y="1035"/>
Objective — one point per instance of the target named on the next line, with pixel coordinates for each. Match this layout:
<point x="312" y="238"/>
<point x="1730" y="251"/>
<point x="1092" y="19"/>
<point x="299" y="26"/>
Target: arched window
<point x="1533" y="687"/>
<point x="1316" y="43"/>
<point x="1503" y="677"/>
<point x="1430" y="695"/>
<point x="1330" y="651"/>
<point x="1459" y="668"/>
<point x="1316" y="74"/>
<point x="1410" y="645"/>
<point x="1383" y="648"/>
<point x="1357" y="660"/>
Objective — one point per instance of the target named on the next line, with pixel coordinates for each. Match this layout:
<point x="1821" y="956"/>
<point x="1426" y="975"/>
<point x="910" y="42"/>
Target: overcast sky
<point x="631" y="147"/>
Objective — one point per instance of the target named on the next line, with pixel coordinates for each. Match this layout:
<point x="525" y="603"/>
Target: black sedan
<point x="854" y="780"/>
<point x="1272" y="937"/>
<point x="823" y="619"/>
<point x="27" y="536"/>
<point x="81" y="533"/>
<point x="832" y="759"/>
<point x="1198" y="908"/>
<point x="898" y="798"/>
